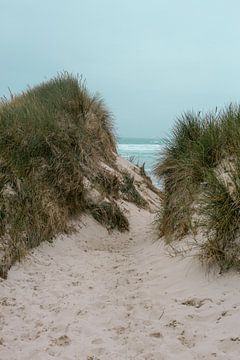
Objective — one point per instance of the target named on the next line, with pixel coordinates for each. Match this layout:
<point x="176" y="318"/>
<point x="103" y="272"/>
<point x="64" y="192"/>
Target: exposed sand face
<point x="95" y="295"/>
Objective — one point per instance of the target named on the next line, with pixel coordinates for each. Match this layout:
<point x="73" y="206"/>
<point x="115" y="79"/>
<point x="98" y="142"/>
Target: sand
<point x="99" y="295"/>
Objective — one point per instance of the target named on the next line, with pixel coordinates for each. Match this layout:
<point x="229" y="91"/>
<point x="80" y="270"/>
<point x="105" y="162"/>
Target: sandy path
<point x="94" y="295"/>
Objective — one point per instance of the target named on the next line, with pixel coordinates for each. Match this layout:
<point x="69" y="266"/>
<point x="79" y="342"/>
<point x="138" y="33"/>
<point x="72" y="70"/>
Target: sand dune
<point x="107" y="296"/>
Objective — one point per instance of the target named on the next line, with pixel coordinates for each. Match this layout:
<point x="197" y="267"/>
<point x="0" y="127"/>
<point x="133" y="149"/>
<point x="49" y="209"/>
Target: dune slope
<point x="106" y="295"/>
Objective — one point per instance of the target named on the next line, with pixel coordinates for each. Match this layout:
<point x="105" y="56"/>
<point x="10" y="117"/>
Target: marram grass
<point x="51" y="137"/>
<point x="188" y="169"/>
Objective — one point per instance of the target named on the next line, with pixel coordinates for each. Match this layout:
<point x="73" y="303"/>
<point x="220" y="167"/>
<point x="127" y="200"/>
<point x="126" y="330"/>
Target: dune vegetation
<point x="200" y="172"/>
<point x="53" y="139"/>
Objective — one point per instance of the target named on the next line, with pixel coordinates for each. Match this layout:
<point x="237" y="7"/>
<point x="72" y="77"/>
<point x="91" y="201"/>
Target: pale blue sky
<point x="150" y="59"/>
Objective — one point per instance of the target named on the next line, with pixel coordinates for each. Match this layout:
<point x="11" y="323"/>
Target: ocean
<point x="141" y="151"/>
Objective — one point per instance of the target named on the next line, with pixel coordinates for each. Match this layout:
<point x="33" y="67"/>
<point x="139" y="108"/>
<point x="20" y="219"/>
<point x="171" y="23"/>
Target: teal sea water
<point x="141" y="151"/>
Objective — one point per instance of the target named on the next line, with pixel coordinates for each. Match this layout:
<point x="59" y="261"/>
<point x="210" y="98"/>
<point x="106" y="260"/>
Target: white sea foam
<point x="139" y="147"/>
<point x="141" y="153"/>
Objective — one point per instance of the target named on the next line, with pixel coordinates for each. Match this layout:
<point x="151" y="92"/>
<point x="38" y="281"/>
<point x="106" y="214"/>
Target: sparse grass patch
<point x="108" y="183"/>
<point x="148" y="181"/>
<point x="142" y="171"/>
<point x="110" y="215"/>
<point x="130" y="192"/>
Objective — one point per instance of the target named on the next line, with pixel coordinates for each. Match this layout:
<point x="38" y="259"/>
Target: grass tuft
<point x="191" y="168"/>
<point x="221" y="213"/>
<point x="51" y="137"/>
<point x="110" y="215"/>
<point x="109" y="184"/>
<point x="130" y="192"/>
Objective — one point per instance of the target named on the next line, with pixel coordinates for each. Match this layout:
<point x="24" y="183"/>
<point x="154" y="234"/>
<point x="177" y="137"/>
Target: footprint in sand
<point x="185" y="340"/>
<point x="81" y="312"/>
<point x="230" y="344"/>
<point x="156" y="335"/>
<point x="154" y="356"/>
<point x="99" y="351"/>
<point x="76" y="283"/>
<point x="223" y="313"/>
<point x="147" y="306"/>
<point x="173" y="324"/>
<point x="147" y="322"/>
<point x="120" y="329"/>
<point x="129" y="307"/>
<point x="130" y="270"/>
<point x="63" y="340"/>
<point x="197" y="303"/>
<point x="97" y="341"/>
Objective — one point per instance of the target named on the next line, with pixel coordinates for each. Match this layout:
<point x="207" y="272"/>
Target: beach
<point x="96" y="294"/>
<point x="119" y="180"/>
<point x="142" y="151"/>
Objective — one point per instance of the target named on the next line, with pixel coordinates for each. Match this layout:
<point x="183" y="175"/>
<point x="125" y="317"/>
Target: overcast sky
<point x="150" y="59"/>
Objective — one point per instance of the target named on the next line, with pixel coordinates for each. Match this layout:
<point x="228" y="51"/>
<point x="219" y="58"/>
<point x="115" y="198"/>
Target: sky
<point x="151" y="60"/>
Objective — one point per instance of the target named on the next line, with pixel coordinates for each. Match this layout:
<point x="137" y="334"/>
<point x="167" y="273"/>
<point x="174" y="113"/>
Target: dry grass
<point x="188" y="169"/>
<point x="220" y="211"/>
<point x="51" y="136"/>
<point x="108" y="184"/>
<point x="110" y="215"/>
<point x="130" y="192"/>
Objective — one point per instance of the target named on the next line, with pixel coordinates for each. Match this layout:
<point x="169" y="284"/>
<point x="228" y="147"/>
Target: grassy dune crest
<point x="200" y="171"/>
<point x="52" y="139"/>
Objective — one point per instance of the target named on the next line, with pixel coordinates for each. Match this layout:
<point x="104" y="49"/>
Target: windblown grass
<point x="188" y="153"/>
<point x="220" y="210"/>
<point x="110" y="215"/>
<point x="51" y="136"/>
<point x="108" y="183"/>
<point x="188" y="169"/>
<point x="130" y="192"/>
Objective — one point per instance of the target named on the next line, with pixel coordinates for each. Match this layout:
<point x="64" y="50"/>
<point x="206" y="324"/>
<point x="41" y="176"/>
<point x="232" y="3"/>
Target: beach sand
<point x="99" y="295"/>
